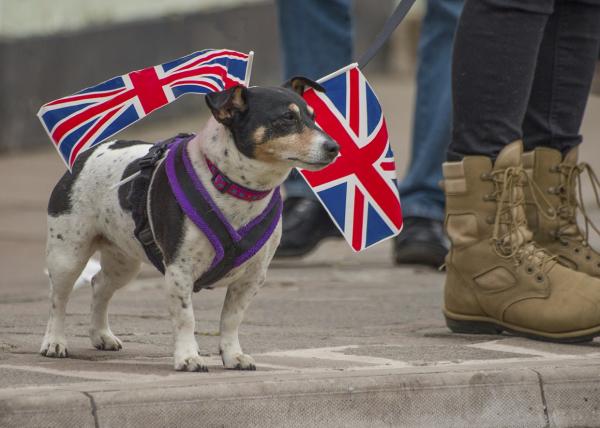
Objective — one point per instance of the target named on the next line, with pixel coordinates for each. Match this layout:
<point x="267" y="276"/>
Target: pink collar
<point x="224" y="185"/>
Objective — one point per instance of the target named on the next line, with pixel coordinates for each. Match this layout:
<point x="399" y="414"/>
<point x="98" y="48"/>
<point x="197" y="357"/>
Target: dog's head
<point x="274" y="125"/>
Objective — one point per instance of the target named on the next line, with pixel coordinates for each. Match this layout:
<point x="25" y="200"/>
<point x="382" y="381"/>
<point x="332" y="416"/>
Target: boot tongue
<point x="509" y="156"/>
<point x="571" y="157"/>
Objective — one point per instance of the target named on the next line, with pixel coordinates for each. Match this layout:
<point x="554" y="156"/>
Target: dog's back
<point x="84" y="208"/>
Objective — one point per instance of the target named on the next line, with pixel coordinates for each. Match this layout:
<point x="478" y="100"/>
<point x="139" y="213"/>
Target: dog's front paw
<point x="238" y="361"/>
<point x="192" y="363"/>
<point x="104" y="340"/>
<point x="54" y="348"/>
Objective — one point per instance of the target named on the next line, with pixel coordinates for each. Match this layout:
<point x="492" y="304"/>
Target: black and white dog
<point x="255" y="137"/>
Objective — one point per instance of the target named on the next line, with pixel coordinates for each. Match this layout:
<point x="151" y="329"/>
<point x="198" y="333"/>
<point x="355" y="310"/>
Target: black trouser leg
<point x="495" y="52"/>
<point x="563" y="77"/>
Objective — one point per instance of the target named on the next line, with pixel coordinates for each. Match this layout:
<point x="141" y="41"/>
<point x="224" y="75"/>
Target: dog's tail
<point x="85" y="279"/>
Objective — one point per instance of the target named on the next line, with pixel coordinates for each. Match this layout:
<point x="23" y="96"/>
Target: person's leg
<point x="316" y="38"/>
<point x="432" y="118"/>
<point x="422" y="241"/>
<point x="495" y="53"/>
<point x="563" y="77"/>
<point x="498" y="278"/>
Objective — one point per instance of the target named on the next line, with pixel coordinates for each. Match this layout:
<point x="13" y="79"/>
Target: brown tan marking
<point x="279" y="148"/>
<point x="259" y="135"/>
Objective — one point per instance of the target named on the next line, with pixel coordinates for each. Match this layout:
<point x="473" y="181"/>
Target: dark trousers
<point x="522" y="69"/>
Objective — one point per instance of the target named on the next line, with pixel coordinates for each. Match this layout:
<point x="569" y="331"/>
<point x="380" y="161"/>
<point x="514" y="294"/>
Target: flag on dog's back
<point x="359" y="189"/>
<point x="84" y="119"/>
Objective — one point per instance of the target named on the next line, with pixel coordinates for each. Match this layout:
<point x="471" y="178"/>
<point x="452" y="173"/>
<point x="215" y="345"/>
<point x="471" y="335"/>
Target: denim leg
<point x="419" y="190"/>
<point x="316" y="40"/>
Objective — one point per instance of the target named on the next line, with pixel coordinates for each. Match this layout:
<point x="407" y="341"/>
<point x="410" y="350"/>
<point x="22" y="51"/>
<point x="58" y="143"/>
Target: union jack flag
<point x="359" y="189"/>
<point x="84" y="119"/>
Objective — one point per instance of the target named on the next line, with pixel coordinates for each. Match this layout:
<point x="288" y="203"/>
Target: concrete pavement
<point x="340" y="339"/>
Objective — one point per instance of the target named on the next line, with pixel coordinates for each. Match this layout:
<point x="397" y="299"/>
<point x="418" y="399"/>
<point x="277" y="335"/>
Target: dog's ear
<point x="299" y="84"/>
<point x="226" y="104"/>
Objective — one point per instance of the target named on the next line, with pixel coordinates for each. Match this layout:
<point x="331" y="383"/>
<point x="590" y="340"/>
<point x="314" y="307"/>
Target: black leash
<point x="385" y="33"/>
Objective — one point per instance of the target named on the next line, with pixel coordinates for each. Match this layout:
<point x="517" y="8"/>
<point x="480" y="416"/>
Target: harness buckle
<point x="145" y="236"/>
<point x="155" y="153"/>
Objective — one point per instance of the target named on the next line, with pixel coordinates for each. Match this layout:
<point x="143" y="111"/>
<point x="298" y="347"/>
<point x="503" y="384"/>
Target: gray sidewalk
<point x="340" y="339"/>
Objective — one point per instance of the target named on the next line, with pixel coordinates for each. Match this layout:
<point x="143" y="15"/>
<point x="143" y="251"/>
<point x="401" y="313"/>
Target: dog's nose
<point x="331" y="148"/>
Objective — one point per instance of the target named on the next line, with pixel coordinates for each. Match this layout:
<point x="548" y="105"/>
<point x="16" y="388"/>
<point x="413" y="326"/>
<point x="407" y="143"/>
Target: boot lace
<point x="511" y="238"/>
<point x="571" y="196"/>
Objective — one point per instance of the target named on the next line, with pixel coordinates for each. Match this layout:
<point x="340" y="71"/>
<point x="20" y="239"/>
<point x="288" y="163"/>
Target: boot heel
<point x="472" y="327"/>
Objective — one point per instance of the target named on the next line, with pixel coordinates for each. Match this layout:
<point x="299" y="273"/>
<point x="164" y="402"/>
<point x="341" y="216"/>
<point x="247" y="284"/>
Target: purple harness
<point x="232" y="247"/>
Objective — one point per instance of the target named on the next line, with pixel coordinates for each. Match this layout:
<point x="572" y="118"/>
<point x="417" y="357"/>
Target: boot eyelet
<point x="539" y="278"/>
<point x="588" y="257"/>
<point x="577" y="250"/>
<point x="529" y="270"/>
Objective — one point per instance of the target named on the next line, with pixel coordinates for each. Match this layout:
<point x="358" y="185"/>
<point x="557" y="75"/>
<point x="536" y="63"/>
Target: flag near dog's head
<point x="359" y="189"/>
<point x="90" y="116"/>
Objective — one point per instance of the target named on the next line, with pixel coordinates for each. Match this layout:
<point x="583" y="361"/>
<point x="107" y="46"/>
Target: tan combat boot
<point x="498" y="279"/>
<point x="558" y="178"/>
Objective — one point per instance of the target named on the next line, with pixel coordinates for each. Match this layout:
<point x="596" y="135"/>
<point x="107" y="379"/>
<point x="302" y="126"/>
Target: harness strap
<point x="139" y="198"/>
<point x="232" y="247"/>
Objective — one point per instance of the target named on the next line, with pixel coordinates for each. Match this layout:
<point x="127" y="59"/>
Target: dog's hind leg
<point x="238" y="297"/>
<point x="65" y="260"/>
<point x="117" y="269"/>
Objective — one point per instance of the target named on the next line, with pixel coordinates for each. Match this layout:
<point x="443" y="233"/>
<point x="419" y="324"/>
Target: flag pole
<point x="249" y="69"/>
<point x="337" y="72"/>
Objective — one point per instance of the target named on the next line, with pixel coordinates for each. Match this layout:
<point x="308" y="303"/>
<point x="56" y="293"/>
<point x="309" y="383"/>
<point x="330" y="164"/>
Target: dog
<point x="254" y="137"/>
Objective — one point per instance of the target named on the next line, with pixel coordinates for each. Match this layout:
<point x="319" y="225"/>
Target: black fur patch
<point x="123" y="144"/>
<point x="124" y="189"/>
<point x="60" y="200"/>
<point x="167" y="217"/>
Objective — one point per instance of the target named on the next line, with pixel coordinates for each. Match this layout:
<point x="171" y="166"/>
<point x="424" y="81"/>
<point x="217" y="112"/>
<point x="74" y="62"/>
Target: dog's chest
<point x="195" y="255"/>
<point x="237" y="229"/>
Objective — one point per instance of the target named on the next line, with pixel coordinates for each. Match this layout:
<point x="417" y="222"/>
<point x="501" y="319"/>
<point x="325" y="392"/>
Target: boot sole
<point x="469" y="324"/>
